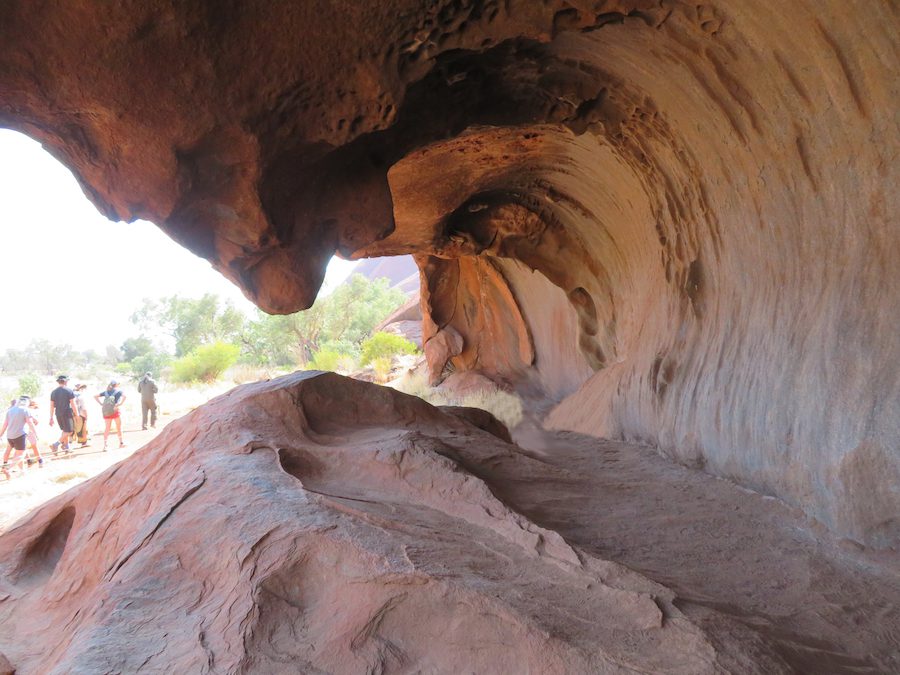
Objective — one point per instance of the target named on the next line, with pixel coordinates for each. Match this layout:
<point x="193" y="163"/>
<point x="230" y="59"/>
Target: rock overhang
<point x="680" y="215"/>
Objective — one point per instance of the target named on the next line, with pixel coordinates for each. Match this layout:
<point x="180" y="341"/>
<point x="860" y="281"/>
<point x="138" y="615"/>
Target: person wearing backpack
<point x="110" y="400"/>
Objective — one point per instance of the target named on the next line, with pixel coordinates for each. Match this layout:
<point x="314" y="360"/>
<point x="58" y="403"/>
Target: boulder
<point x="316" y="523"/>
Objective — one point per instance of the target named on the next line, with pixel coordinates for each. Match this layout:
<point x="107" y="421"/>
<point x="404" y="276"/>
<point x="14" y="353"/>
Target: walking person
<point x="62" y="402"/>
<point x="18" y="419"/>
<point x="110" y="400"/>
<point x="147" y="389"/>
<point x="81" y="415"/>
<point x="32" y="435"/>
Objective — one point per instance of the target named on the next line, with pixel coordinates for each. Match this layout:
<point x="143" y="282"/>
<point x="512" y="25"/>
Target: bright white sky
<point x="54" y="244"/>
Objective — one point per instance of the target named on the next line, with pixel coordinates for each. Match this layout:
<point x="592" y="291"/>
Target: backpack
<point x="109" y="404"/>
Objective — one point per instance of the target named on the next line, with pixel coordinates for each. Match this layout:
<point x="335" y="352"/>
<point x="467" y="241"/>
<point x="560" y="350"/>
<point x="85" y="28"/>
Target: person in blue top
<point x="110" y="400"/>
<point x="16" y="426"/>
<point x="62" y="402"/>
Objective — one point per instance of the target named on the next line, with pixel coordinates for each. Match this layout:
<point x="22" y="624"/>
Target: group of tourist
<point x="69" y="410"/>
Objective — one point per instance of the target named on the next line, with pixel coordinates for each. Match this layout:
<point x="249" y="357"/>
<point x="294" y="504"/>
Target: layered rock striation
<point x="677" y="219"/>
<point x="316" y="523"/>
<point x="265" y="533"/>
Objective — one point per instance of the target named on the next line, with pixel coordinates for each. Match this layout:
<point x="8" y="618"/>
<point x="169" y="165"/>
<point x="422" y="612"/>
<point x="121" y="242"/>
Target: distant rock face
<point x="320" y="524"/>
<point x="678" y="217"/>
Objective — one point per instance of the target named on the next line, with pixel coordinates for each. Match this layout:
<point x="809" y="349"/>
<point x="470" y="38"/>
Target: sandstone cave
<point x="670" y="226"/>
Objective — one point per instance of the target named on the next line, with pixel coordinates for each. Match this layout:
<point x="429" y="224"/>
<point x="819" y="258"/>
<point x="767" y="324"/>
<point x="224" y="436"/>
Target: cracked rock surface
<point x="264" y="533"/>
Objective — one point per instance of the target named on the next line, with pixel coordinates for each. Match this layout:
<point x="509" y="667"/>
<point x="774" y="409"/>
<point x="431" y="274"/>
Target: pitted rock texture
<point x="681" y="216"/>
<point x="316" y="523"/>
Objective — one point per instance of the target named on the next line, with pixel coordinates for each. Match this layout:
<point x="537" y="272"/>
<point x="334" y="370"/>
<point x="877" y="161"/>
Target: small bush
<point x="324" y="359"/>
<point x="385" y="345"/>
<point x="29" y="385"/>
<point x="205" y="363"/>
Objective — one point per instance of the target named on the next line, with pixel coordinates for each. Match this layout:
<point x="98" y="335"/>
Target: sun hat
<point x="62" y="378"/>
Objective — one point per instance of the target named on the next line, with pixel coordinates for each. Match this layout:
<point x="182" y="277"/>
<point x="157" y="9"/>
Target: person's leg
<point x="18" y="445"/>
<point x="83" y="435"/>
<point x="65" y="426"/>
<point x="153" y="414"/>
<point x="145" y="408"/>
<point x="119" y="430"/>
<point x="8" y="452"/>
<point x="108" y="423"/>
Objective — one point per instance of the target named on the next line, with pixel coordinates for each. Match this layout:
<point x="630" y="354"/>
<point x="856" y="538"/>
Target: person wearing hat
<point x="81" y="414"/>
<point x="147" y="389"/>
<point x="16" y="426"/>
<point x="62" y="402"/>
<point x="110" y="400"/>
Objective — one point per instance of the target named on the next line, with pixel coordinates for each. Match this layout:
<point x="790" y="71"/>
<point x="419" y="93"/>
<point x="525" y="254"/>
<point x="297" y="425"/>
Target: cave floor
<point x="742" y="564"/>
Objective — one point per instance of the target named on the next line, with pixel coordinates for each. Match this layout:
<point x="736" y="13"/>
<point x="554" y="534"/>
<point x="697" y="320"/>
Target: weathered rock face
<point x="316" y="523"/>
<point x="681" y="216"/>
<point x="358" y="542"/>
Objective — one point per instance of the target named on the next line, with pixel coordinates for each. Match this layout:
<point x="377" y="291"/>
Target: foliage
<point x="385" y="345"/>
<point x="270" y="341"/>
<point x="191" y="322"/>
<point x="139" y="356"/>
<point x="336" y="322"/>
<point x="324" y="359"/>
<point x="135" y="347"/>
<point x="41" y="356"/>
<point x="327" y="335"/>
<point x="29" y="385"/>
<point x="205" y="363"/>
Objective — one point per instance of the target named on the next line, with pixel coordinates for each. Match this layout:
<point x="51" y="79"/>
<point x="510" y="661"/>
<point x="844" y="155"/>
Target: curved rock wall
<point x="705" y="194"/>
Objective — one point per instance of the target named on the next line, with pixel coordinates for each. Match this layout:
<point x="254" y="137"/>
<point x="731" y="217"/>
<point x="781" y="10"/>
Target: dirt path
<point x="743" y="564"/>
<point x="22" y="491"/>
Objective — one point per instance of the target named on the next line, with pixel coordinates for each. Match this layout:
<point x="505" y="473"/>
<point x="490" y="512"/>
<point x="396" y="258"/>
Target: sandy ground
<point x="21" y="492"/>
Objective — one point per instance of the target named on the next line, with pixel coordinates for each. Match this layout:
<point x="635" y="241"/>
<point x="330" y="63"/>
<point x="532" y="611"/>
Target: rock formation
<point x="316" y="523"/>
<point x="678" y="217"/>
<point x="676" y="222"/>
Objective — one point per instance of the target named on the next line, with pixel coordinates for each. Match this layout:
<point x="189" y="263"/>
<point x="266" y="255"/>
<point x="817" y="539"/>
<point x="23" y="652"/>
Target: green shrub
<point x="205" y="363"/>
<point x="385" y="345"/>
<point x="29" y="385"/>
<point x="324" y="359"/>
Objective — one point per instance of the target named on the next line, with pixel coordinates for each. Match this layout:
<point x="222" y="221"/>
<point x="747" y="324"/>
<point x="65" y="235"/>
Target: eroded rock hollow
<point x="677" y="217"/>
<point x="675" y="222"/>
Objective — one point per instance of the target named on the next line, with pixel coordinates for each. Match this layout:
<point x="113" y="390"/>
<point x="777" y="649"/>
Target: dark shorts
<point x="66" y="422"/>
<point x="18" y="443"/>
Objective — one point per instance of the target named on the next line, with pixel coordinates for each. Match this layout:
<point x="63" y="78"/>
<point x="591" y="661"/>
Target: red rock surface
<point x="679" y="215"/>
<point x="315" y="523"/>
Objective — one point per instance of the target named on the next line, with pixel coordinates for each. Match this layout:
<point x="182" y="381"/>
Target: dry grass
<point x="503" y="405"/>
<point x="69" y="476"/>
